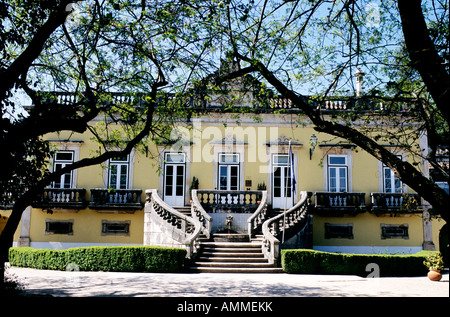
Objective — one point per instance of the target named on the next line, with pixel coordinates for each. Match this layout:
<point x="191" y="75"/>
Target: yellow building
<point x="356" y="204"/>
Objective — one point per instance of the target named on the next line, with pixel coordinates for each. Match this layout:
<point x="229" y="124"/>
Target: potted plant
<point x="435" y="264"/>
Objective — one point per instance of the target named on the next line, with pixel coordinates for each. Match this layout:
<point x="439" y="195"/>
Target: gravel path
<point x="94" y="284"/>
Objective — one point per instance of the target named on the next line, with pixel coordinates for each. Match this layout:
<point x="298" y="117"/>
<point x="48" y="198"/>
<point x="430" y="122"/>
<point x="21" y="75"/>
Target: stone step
<point x="230" y="237"/>
<point x="231" y="251"/>
<point x="184" y="210"/>
<point x="235" y="270"/>
<point x="233" y="264"/>
<point x="232" y="254"/>
<point x="236" y="245"/>
<point x="259" y="259"/>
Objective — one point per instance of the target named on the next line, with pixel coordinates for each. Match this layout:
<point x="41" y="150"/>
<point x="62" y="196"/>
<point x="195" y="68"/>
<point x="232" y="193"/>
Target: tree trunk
<point x="423" y="54"/>
<point x="7" y="235"/>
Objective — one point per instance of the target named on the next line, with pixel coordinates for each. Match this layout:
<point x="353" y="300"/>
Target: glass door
<point x="174" y="179"/>
<point x="281" y="182"/>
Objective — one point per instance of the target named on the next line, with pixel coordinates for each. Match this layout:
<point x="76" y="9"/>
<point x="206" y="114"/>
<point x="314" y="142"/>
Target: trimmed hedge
<point x="317" y="262"/>
<point x="113" y="259"/>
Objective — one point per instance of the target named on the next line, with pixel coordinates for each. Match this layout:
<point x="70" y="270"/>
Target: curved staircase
<point x="226" y="253"/>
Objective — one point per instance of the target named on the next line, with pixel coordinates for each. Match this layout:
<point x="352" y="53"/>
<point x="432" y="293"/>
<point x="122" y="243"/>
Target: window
<point x="58" y="227"/>
<point x="344" y="231"/>
<point x="115" y="227"/>
<point x="391" y="183"/>
<point x="118" y="172"/>
<point x="281" y="159"/>
<point x="394" y="231"/>
<point x="228" y="158"/>
<point x="228" y="171"/>
<point x="337" y="173"/>
<point x="61" y="160"/>
<point x="179" y="158"/>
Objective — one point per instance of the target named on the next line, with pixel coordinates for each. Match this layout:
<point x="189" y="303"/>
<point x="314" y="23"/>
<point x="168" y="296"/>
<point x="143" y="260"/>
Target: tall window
<point x="61" y="160"/>
<point x="391" y="183"/>
<point x="337" y="173"/>
<point x="228" y="171"/>
<point x="118" y="172"/>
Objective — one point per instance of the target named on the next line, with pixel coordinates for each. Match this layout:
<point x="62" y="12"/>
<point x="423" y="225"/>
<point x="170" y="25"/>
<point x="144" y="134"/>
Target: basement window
<point x="394" y="231"/>
<point x="342" y="231"/>
<point x="59" y="227"/>
<point x="115" y="227"/>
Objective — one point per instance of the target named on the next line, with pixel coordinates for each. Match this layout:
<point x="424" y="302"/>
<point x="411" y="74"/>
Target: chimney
<point x="359" y="82"/>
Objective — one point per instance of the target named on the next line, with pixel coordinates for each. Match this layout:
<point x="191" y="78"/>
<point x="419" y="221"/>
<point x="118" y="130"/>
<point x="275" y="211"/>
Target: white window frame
<point x="393" y="179"/>
<point x="63" y="163"/>
<point x="339" y="168"/>
<point x="180" y="154"/>
<point x="286" y="183"/>
<point x="119" y="164"/>
<point x="229" y="164"/>
<point x="174" y="164"/>
<point x="382" y="176"/>
<point x="66" y="146"/>
<point x="228" y="145"/>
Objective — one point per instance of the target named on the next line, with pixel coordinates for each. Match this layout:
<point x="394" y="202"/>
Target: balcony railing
<point x="196" y="100"/>
<point x="61" y="198"/>
<point x="116" y="199"/>
<point x="239" y="201"/>
<point x="339" y="203"/>
<point x="395" y="202"/>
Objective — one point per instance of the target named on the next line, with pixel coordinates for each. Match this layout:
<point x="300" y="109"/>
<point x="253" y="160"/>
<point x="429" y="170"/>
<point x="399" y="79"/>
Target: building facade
<point x="356" y="203"/>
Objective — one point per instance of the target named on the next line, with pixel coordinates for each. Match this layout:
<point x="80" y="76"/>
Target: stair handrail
<point x="275" y="226"/>
<point x="199" y="213"/>
<point x="177" y="222"/>
<point x="258" y="217"/>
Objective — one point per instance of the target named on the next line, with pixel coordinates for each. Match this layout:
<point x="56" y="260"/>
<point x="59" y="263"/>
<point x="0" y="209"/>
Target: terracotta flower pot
<point x="434" y="275"/>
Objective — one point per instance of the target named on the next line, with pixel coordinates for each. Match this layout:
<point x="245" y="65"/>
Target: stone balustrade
<point x="196" y="100"/>
<point x="199" y="213"/>
<point x="117" y="199"/>
<point x="216" y="204"/>
<point x="339" y="203"/>
<point x="62" y="198"/>
<point x="237" y="201"/>
<point x="259" y="216"/>
<point x="165" y="226"/>
<point x="282" y="226"/>
<point x="394" y="202"/>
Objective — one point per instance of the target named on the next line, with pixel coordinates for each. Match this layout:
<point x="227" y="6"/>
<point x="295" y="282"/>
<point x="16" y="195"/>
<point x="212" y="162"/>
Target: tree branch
<point x="10" y="76"/>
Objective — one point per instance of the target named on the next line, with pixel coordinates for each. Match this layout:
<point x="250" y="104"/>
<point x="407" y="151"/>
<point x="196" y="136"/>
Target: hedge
<point x="317" y="262"/>
<point x="113" y="259"/>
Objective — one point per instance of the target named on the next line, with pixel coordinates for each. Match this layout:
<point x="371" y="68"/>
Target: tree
<point x="87" y="51"/>
<point x="279" y="42"/>
<point x="140" y="47"/>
